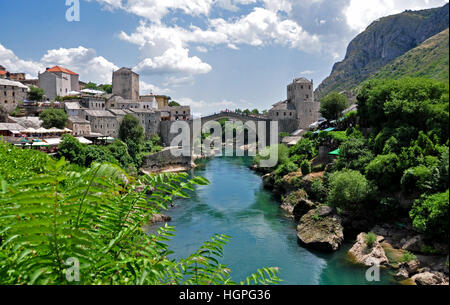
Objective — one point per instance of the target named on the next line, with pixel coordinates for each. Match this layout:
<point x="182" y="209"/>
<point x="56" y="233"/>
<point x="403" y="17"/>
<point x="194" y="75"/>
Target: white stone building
<point x="58" y="81"/>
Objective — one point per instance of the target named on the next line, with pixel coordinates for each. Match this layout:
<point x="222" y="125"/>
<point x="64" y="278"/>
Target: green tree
<point x="131" y="130"/>
<point x="332" y="105"/>
<point x="119" y="151"/>
<point x="107" y="88"/>
<point x="354" y="154"/>
<point x="173" y="104"/>
<point x="384" y="171"/>
<point x="53" y="118"/>
<point x="255" y="111"/>
<point x="305" y="167"/>
<point x="72" y="150"/>
<point x="348" y="189"/>
<point x="430" y="215"/>
<point x="36" y="94"/>
<point x="92" y="86"/>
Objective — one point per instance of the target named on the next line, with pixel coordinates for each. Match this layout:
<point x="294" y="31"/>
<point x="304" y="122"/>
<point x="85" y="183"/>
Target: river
<point x="236" y="204"/>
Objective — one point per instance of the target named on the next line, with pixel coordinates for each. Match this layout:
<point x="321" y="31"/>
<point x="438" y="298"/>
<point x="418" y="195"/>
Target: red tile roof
<point x="61" y="69"/>
<point x="3" y="72"/>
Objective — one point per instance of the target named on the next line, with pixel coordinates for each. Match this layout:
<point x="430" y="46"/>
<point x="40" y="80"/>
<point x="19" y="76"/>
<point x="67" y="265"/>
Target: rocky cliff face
<point x="382" y="42"/>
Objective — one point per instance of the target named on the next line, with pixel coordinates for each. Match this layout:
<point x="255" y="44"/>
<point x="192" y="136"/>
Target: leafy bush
<point x="72" y="150"/>
<point x="417" y="179"/>
<point x="354" y="154"/>
<point x="318" y="191"/>
<point x="384" y="171"/>
<point x="285" y="168"/>
<point x="280" y="149"/>
<point x="305" y="148"/>
<point x="53" y="118"/>
<point x="430" y="215"/>
<point x="370" y="239"/>
<point x="305" y="167"/>
<point x="348" y="189"/>
<point x="407" y="257"/>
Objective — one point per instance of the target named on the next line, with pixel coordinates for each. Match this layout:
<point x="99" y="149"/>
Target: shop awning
<point x="334" y="152"/>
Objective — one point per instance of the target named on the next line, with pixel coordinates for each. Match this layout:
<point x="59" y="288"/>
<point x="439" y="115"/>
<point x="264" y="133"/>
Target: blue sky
<point x="210" y="54"/>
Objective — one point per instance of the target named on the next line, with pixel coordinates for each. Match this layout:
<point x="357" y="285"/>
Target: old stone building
<point x="102" y="121"/>
<point x="11" y="94"/>
<point x="162" y="101"/>
<point x="125" y="83"/>
<point x="79" y="126"/>
<point x="58" y="81"/>
<point x="299" y="110"/>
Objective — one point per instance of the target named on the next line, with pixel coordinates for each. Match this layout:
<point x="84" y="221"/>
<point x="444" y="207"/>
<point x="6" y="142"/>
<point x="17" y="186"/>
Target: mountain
<point x="383" y="41"/>
<point x="429" y="59"/>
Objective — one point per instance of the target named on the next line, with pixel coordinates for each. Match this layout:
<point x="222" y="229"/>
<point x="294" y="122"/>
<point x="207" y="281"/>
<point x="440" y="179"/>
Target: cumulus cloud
<point x="147" y="88"/>
<point x="154" y="10"/>
<point x="173" y="60"/>
<point x="359" y="14"/>
<point x="14" y="64"/>
<point x="83" y="61"/>
<point x="201" y="107"/>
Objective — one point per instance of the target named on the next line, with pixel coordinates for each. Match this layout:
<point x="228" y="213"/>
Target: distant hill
<point x="429" y="59"/>
<point x="380" y="44"/>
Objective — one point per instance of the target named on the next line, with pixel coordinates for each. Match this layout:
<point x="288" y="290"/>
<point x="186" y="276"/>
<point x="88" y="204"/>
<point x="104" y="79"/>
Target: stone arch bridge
<point x="167" y="137"/>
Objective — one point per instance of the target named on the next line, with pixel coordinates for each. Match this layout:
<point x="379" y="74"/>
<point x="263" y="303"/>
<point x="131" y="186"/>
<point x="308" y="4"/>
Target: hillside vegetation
<point x="429" y="59"/>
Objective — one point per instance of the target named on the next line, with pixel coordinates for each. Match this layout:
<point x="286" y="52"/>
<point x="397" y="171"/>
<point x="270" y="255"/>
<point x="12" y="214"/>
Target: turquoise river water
<point x="236" y="204"/>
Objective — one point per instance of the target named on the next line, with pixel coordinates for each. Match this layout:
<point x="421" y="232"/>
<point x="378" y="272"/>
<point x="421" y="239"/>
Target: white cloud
<point x="83" y="61"/>
<point x="261" y="27"/>
<point x="201" y="108"/>
<point x="146" y="88"/>
<point x="154" y="10"/>
<point x="16" y="65"/>
<point x="359" y="14"/>
<point x="202" y="49"/>
<point x="173" y="60"/>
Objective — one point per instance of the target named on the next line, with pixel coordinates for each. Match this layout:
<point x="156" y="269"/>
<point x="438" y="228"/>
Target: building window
<point x="285" y="114"/>
<point x="277" y="113"/>
<point x="307" y="96"/>
<point x="6" y="102"/>
<point x="301" y="86"/>
<point x="5" y="93"/>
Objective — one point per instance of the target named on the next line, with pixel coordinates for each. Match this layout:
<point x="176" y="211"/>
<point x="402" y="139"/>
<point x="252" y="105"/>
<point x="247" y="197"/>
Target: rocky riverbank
<point x="408" y="255"/>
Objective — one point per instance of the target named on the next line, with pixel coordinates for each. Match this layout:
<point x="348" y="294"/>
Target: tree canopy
<point x="36" y="94"/>
<point x="332" y="105"/>
<point x="53" y="118"/>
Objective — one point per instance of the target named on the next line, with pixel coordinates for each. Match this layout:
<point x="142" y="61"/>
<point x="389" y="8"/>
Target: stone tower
<point x="125" y="83"/>
<point x="300" y="93"/>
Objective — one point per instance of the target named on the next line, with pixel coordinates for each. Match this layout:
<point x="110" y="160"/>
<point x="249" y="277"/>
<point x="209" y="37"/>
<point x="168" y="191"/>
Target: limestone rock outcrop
<point x="366" y="255"/>
<point x="320" y="232"/>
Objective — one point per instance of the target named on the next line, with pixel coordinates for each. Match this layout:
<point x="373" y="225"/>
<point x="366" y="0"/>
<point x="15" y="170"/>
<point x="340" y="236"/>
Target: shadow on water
<point x="236" y="204"/>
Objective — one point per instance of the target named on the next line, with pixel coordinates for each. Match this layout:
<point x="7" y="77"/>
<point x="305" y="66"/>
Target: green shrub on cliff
<point x="370" y="239"/>
<point x="348" y="189"/>
<point x="430" y="215"/>
<point x="305" y="167"/>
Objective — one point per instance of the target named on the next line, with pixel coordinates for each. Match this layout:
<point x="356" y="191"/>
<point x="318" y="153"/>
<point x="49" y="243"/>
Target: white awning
<point x="83" y="140"/>
<point x="53" y="141"/>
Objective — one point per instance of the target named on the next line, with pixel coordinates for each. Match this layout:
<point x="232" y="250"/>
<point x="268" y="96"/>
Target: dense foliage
<point x="393" y="160"/>
<point x="53" y="118"/>
<point x="36" y="94"/>
<point x="71" y="225"/>
<point x="118" y="152"/>
<point x="332" y="105"/>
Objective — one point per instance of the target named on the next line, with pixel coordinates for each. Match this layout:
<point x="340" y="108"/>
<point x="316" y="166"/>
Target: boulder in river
<point x="297" y="204"/>
<point x="160" y="218"/>
<point x="366" y="255"/>
<point x="320" y="232"/>
<point x="430" y="278"/>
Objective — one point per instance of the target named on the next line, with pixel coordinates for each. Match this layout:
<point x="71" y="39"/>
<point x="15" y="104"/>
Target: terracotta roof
<point x="61" y="69"/>
<point x="3" y="72"/>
